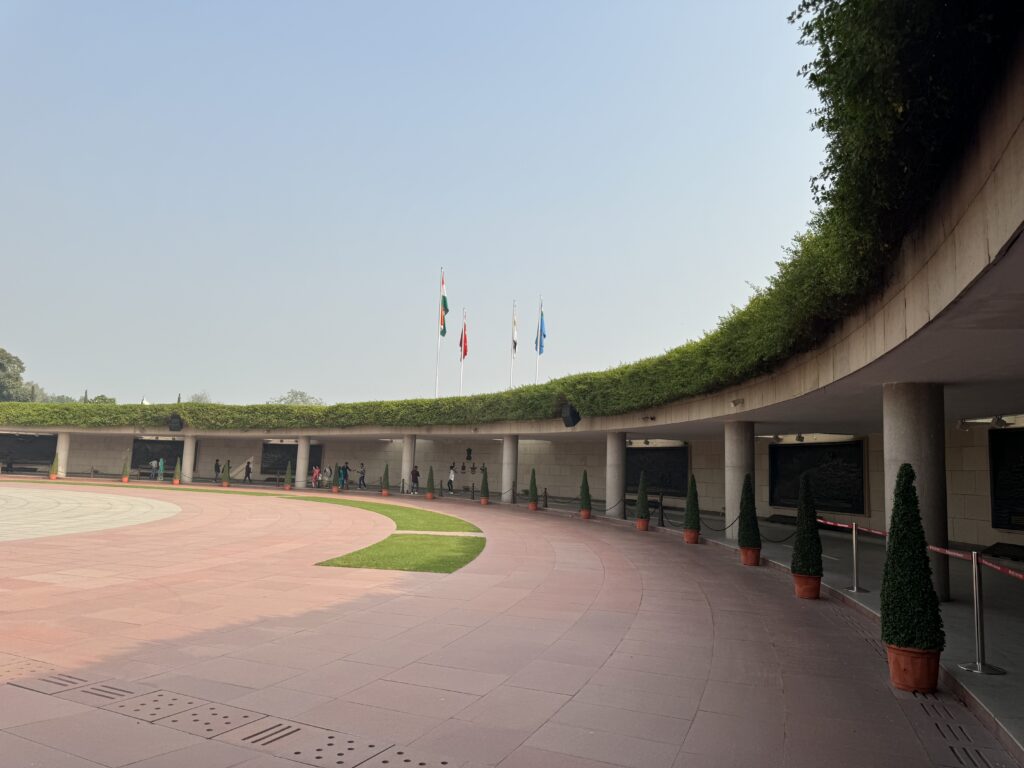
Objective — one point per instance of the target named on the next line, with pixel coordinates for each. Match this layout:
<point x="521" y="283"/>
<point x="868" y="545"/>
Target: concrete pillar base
<point x="188" y="459"/>
<point x="509" y="467"/>
<point x="408" y="461"/>
<point x="302" y="462"/>
<point x="739" y="462"/>
<point x="615" y="475"/>
<point x="63" y="450"/>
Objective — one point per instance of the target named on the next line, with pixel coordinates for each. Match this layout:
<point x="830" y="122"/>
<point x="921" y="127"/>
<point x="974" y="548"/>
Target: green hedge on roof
<point x="901" y="82"/>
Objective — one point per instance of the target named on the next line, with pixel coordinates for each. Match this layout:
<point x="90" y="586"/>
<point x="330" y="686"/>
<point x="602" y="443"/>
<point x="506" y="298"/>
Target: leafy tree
<point x="12" y="388"/>
<point x="199" y="397"/>
<point x="103" y="399"/>
<point x="584" y="492"/>
<point x="910" y="607"/>
<point x="750" y="532"/>
<point x="296" y="397"/>
<point x="643" y="508"/>
<point x="691" y="520"/>
<point x="807" y="544"/>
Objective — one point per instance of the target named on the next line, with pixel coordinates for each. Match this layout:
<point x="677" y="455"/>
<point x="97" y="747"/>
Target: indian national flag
<point x="444" y="306"/>
<point x="463" y="340"/>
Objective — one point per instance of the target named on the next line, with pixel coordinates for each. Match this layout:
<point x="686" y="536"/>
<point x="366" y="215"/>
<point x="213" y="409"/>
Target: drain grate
<point x="153" y="706"/>
<point x="25" y="668"/>
<point x="937" y="710"/>
<point x="953" y="732"/>
<point x="101" y="694"/>
<point x="973" y="757"/>
<point x="210" y="720"/>
<point x="330" y="748"/>
<point x="403" y="757"/>
<point x="269" y="734"/>
<point x="55" y="683"/>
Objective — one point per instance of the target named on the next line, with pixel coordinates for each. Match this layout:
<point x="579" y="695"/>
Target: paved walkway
<point x="208" y="640"/>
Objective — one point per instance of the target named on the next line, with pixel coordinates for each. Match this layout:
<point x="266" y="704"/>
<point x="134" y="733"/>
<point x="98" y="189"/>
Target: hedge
<point x="901" y="83"/>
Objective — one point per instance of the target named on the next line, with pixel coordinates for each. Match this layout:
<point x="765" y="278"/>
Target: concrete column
<point x="739" y="462"/>
<point x="302" y="462"/>
<point x="914" y="432"/>
<point x="615" y="475"/>
<point x="509" y="466"/>
<point x="63" y="448"/>
<point x="408" y="460"/>
<point x="188" y="458"/>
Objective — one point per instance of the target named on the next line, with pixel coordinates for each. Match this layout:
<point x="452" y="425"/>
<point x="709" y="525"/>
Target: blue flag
<point x="542" y="333"/>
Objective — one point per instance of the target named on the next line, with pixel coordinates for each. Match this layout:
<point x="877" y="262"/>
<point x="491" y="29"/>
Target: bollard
<point x="855" y="587"/>
<point x="513" y="491"/>
<point x="978" y="665"/>
<point x="661" y="509"/>
<point x="545" y="498"/>
<point x="472" y="491"/>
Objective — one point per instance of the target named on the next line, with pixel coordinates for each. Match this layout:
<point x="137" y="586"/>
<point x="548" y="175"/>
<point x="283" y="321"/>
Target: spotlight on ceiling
<point x="799" y="438"/>
<point x="999" y="422"/>
<point x="962" y="425"/>
<point x="647" y="442"/>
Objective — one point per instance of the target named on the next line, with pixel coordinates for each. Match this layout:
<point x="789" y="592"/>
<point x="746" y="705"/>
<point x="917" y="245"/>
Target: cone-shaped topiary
<point x="643" y="509"/>
<point x="53" y="466"/>
<point x="485" y="490"/>
<point x="584" y="492"/>
<point x="533" y="486"/>
<point x="749" y="533"/>
<point x="177" y="469"/>
<point x="430" y="479"/>
<point x="807" y="544"/>
<point x="691" y="520"/>
<point x="910" y="607"/>
<point x="124" y="469"/>
<point x="336" y="477"/>
<point x="225" y="472"/>
<point x="385" y="481"/>
<point x="288" y="474"/>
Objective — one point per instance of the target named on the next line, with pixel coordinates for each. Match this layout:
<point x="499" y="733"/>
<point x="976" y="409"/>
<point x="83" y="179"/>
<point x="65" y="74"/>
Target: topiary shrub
<point x="584" y="492"/>
<point x="385" y="480"/>
<point x="485" y="490"/>
<point x="225" y="473"/>
<point x="177" y="469"/>
<point x="533" y="486"/>
<point x="807" y="544"/>
<point x="691" y="520"/>
<point x="124" y="469"/>
<point x="53" y="466"/>
<point x="750" y="533"/>
<point x="430" y="479"/>
<point x="643" y="508"/>
<point x="910" y="606"/>
<point x="288" y="474"/>
<point x="336" y="477"/>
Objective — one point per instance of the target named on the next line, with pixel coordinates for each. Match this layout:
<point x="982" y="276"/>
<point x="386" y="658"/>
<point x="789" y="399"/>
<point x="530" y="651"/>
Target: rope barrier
<point x="736" y="520"/>
<point x="778" y="541"/>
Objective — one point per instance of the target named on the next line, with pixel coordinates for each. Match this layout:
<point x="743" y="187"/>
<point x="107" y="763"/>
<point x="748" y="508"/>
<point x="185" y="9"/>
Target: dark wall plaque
<point x="837" y="475"/>
<point x="1006" y="465"/>
<point x="668" y="469"/>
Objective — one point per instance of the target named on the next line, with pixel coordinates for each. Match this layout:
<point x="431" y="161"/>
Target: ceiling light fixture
<point x="999" y="422"/>
<point x="799" y="438"/>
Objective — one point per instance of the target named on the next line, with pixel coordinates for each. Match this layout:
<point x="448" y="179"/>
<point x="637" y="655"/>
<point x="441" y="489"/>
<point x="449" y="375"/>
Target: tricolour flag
<point x="463" y="341"/>
<point x="542" y="333"/>
<point x="443" y="328"/>
<point x="515" y="331"/>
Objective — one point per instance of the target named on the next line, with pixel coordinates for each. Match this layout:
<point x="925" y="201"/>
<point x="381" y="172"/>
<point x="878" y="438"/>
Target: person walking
<point x="362" y="475"/>
<point x="160" y="470"/>
<point x="343" y="480"/>
<point x="415" y="477"/>
<point x="451" y="478"/>
<point x="248" y="472"/>
<point x="216" y="470"/>
<point x="316" y="475"/>
<point x="153" y="464"/>
<point x="328" y="473"/>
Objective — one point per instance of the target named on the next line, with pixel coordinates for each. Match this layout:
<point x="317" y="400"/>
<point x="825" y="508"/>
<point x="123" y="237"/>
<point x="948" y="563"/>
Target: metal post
<point x="545" y="498"/>
<point x="513" y="491"/>
<point x="978" y="665"/>
<point x="472" y="491"/>
<point x="661" y="509"/>
<point x="855" y="587"/>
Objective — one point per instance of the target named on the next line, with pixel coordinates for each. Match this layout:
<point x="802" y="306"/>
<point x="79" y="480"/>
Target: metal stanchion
<point x="855" y="587"/>
<point x="545" y="498"/>
<point x="513" y="491"/>
<point x="978" y="665"/>
<point x="472" y="491"/>
<point x="661" y="509"/>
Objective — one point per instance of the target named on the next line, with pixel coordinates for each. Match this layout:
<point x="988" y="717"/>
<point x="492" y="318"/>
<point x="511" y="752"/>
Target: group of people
<point x="414" y="479"/>
<point x="323" y="477"/>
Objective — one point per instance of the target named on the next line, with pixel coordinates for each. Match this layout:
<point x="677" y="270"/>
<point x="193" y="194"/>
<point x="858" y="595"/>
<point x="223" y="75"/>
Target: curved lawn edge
<point x="414" y="552"/>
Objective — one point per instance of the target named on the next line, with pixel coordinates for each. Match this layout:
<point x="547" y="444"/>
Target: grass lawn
<point x="407" y="518"/>
<point x="414" y="552"/>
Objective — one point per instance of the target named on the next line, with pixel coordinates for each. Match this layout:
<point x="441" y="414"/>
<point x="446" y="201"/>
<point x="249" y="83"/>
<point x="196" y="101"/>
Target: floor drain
<point x="55" y="683"/>
<point x="334" y="749"/>
<point x="104" y="693"/>
<point x="402" y="757"/>
<point x="210" y="720"/>
<point x="269" y="734"/>
<point x="153" y="706"/>
<point x="25" y="668"/>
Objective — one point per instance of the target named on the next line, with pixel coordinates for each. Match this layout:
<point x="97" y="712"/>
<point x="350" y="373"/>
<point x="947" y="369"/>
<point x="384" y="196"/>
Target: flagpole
<point x="462" y="350"/>
<point x="512" y="364"/>
<point x="538" y="341"/>
<point x="437" y="357"/>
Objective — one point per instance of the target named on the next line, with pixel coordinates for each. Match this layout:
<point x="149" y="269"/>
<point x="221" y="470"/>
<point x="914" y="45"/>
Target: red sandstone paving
<point x="564" y="645"/>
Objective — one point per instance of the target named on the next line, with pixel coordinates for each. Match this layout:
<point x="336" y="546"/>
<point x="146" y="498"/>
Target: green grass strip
<point x="414" y="552"/>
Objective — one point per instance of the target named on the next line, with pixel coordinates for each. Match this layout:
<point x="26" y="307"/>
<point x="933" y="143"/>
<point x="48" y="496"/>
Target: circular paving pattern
<point x="32" y="513"/>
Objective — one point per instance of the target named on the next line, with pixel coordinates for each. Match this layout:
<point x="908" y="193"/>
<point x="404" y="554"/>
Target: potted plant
<point x="911" y="620"/>
<point x="288" y="476"/>
<point x="749" y="533"/>
<point x="336" y="479"/>
<point x="643" y="509"/>
<point x="532" y="505"/>
<point x="385" y="483"/>
<point x="691" y="520"/>
<point x="485" y="490"/>
<point x="225" y="474"/>
<point x="584" y="497"/>
<point x="806" y="563"/>
<point x="124" y="470"/>
<point x="430" y="483"/>
<point x="53" y="468"/>
<point x="176" y="480"/>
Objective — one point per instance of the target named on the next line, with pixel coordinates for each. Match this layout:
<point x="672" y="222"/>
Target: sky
<point x="249" y="197"/>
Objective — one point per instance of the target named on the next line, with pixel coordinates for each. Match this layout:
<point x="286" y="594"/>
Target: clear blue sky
<point x="248" y="197"/>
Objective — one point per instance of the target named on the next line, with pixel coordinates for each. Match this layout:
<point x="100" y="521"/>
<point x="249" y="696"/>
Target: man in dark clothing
<point x="248" y="471"/>
<point x="216" y="470"/>
<point x="362" y="475"/>
<point x="415" y="477"/>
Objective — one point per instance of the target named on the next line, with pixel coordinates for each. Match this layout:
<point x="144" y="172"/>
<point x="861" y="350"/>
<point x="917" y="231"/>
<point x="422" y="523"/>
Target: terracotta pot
<point x="750" y="555"/>
<point x="806" y="587"/>
<point x="224" y="483"/>
<point x="691" y="536"/>
<point x="385" y="492"/>
<point x="643" y="524"/>
<point x="175" y="481"/>
<point x="53" y="476"/>
<point x="532" y="506"/>
<point x="287" y="487"/>
<point x="124" y="479"/>
<point x="485" y="501"/>
<point x="335" y="489"/>
<point x="429" y="496"/>
<point x="584" y="514"/>
<point x="911" y="669"/>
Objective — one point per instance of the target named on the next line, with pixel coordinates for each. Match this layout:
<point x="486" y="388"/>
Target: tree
<point x="296" y="397"/>
<point x="177" y="469"/>
<point x="691" y="520"/>
<point x="807" y="544"/>
<point x="199" y="397"/>
<point x="288" y="473"/>
<point x="385" y="481"/>
<point x="103" y="399"/>
<point x="430" y="479"/>
<point x="12" y="388"/>
<point x="910" y="606"/>
<point x="750" y="533"/>
<point x="643" y="509"/>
